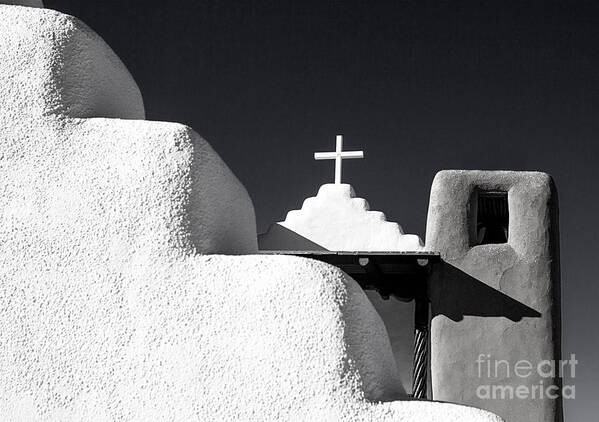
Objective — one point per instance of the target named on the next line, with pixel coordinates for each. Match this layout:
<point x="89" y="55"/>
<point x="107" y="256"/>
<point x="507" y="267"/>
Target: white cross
<point x="338" y="155"/>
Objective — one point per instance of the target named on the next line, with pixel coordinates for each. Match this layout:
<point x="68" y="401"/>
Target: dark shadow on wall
<point x="280" y="238"/>
<point x="470" y="296"/>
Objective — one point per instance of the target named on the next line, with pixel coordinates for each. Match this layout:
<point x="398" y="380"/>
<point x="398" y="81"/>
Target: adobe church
<point x="134" y="286"/>
<point x="492" y="283"/>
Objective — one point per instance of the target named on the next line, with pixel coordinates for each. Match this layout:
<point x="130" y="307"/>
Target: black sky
<point x="420" y="86"/>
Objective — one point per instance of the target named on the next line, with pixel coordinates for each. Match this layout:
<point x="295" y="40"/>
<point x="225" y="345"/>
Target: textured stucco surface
<point x="58" y="83"/>
<point x="109" y="312"/>
<point x="338" y="220"/>
<point x="501" y="300"/>
<point x="198" y="338"/>
<point x="54" y="64"/>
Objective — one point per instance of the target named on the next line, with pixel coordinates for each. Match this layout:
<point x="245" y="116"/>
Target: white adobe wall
<point x="58" y="84"/>
<point x="60" y="67"/>
<point x="335" y="219"/>
<point x="109" y="312"/>
<point x="206" y="338"/>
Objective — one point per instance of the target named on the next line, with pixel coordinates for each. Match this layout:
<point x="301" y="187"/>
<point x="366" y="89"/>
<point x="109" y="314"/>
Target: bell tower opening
<point x="489" y="217"/>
